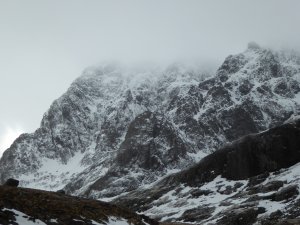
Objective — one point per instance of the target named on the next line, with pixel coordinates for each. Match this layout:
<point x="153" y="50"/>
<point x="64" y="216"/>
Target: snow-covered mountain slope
<point x="84" y="130"/>
<point x="117" y="129"/>
<point x="254" y="180"/>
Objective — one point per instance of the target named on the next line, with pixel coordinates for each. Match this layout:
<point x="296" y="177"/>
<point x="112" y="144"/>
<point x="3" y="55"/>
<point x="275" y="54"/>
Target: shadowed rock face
<point x="252" y="155"/>
<point x="150" y="155"/>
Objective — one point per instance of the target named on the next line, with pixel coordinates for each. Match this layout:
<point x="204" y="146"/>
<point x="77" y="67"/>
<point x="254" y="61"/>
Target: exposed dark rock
<point x="147" y="156"/>
<point x="273" y="218"/>
<point x="232" y="64"/>
<point x="272" y="186"/>
<point x="265" y="90"/>
<point x="197" y="214"/>
<point x="225" y="203"/>
<point x="239" y="122"/>
<point x="269" y="187"/>
<point x="222" y="75"/>
<point x="7" y="217"/>
<point x="282" y="89"/>
<point x="261" y="210"/>
<point x="63" y="192"/>
<point x="295" y="87"/>
<point x="245" y="216"/>
<point x="275" y="215"/>
<point x="287" y="193"/>
<point x="245" y="87"/>
<point x="289" y="222"/>
<point x="12" y="182"/>
<point x="227" y="190"/>
<point x="197" y="192"/>
<point x="258" y="179"/>
<point x="293" y="210"/>
<point x="219" y="94"/>
<point x="269" y="67"/>
<point x="207" y="84"/>
<point x="256" y="198"/>
<point x="250" y="156"/>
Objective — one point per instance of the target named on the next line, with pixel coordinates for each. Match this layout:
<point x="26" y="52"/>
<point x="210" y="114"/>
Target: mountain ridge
<point x="92" y="135"/>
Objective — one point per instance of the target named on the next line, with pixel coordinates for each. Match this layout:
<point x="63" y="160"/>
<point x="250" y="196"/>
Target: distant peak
<point x="253" y="45"/>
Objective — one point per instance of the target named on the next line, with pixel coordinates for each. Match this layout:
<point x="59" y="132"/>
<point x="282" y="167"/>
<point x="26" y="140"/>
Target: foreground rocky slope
<point x="253" y="180"/>
<point x="117" y="129"/>
<point x="22" y="206"/>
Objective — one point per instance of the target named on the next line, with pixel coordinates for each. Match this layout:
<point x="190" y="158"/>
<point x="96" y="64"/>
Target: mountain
<point x="254" y="179"/>
<point x="88" y="129"/>
<point x="118" y="129"/>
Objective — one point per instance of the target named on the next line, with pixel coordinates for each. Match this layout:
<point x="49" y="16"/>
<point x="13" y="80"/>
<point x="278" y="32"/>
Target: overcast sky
<point x="45" y="44"/>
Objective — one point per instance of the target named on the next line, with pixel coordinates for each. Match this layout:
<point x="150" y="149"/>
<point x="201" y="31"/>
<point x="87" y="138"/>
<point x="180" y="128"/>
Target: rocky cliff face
<point x="116" y="129"/>
<point x="89" y="130"/>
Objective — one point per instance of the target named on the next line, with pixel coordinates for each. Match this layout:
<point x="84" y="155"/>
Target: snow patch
<point x="23" y="219"/>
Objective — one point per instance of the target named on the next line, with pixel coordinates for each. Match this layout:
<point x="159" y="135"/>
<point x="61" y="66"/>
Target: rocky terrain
<point x="23" y="206"/>
<point x="253" y="180"/>
<point x="119" y="130"/>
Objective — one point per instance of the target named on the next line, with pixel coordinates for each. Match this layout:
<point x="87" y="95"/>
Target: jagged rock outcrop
<point x="100" y="133"/>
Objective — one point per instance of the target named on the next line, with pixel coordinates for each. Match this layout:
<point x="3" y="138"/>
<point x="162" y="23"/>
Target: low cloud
<point x="46" y="44"/>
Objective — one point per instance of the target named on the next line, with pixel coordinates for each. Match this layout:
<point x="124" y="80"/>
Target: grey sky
<point x="45" y="44"/>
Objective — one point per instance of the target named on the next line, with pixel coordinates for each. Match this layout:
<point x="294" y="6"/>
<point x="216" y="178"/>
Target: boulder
<point x="198" y="214"/>
<point x="197" y="193"/>
<point x="12" y="182"/>
<point x="61" y="192"/>
<point x="245" y="216"/>
<point x="286" y="193"/>
<point x="258" y="179"/>
<point x="265" y="188"/>
<point x="272" y="186"/>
